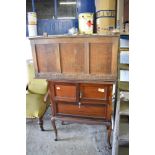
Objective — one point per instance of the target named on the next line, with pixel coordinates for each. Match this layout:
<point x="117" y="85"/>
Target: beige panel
<point x="105" y="5"/>
<point x="103" y="24"/>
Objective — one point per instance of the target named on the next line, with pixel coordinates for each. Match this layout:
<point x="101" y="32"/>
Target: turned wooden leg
<point x="41" y="124"/>
<point x="55" y="129"/>
<point x="109" y="128"/>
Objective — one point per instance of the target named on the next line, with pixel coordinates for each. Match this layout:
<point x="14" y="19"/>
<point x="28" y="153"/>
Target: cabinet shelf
<point x="123" y="150"/>
<point x="124" y="66"/>
<point x="124" y="33"/>
<point x="124" y="49"/>
<point x="124" y="130"/>
<point x="124" y="108"/>
<point x="123" y="86"/>
<point x="121" y="129"/>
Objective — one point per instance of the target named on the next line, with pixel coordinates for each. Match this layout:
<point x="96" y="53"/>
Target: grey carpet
<point x="74" y="139"/>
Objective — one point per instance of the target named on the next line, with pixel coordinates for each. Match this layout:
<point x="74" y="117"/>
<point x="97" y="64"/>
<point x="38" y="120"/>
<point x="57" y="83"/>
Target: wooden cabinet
<point x="80" y="71"/>
<point x="81" y="101"/>
<point x="81" y="57"/>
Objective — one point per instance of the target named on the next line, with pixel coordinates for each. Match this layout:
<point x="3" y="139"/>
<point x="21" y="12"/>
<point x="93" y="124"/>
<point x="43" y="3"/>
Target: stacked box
<point x="105" y="15"/>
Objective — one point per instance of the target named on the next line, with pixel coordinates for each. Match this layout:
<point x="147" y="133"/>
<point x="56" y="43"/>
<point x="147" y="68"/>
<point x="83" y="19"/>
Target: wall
<point x="46" y="23"/>
<point x="56" y="26"/>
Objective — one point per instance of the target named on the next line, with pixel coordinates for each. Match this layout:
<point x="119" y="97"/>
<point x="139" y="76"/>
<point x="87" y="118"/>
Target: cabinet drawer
<point x="96" y="91"/>
<point x="85" y="110"/>
<point x="65" y="92"/>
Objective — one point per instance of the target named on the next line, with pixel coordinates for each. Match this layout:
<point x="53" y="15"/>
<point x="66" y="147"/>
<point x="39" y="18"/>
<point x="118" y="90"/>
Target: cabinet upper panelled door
<point x="76" y="58"/>
<point x="68" y="92"/>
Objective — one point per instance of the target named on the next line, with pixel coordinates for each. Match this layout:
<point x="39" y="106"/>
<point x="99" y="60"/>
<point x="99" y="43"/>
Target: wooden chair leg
<point x="55" y="129"/>
<point x="109" y="128"/>
<point x="41" y="124"/>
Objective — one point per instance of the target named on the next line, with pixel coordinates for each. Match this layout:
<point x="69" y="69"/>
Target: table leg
<point x="55" y="129"/>
<point x="109" y="128"/>
<point x="41" y="123"/>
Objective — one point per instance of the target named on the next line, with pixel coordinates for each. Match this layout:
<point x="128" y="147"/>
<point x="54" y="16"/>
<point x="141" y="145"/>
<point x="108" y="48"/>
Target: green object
<point x="123" y="86"/>
<point x="35" y="105"/>
<point x="37" y="89"/>
<point x="38" y="86"/>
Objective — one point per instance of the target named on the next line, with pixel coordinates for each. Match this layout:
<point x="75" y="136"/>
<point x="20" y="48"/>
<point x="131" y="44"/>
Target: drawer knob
<point x="79" y="104"/>
<point x="80" y="94"/>
<point x="101" y="90"/>
<point x="58" y="88"/>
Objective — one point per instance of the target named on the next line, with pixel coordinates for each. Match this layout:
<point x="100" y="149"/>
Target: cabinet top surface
<point x="75" y="36"/>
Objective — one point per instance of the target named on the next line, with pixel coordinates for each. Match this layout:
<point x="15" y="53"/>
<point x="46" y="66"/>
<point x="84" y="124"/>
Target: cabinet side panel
<point x="114" y="57"/>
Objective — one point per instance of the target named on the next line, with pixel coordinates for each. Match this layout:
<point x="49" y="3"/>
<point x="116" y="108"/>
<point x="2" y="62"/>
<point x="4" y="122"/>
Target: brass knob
<point x="80" y="94"/>
<point x="79" y="104"/>
<point x="58" y="88"/>
<point x="101" y="90"/>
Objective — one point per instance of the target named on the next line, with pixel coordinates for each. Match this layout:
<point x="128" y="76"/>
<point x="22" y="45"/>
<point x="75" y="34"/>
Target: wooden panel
<point x="114" y="57"/>
<point x="72" y="57"/>
<point x="65" y="92"/>
<point x="74" y="39"/>
<point x="84" y="58"/>
<point x="100" y="58"/>
<point x="48" y="58"/>
<point x="90" y="91"/>
<point x="33" y="47"/>
<point x="84" y="110"/>
<point x="62" y="91"/>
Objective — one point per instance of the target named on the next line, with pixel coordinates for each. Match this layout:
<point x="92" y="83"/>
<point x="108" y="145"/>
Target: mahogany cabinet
<point x="81" y="100"/>
<point x="89" y="103"/>
<point x="80" y="71"/>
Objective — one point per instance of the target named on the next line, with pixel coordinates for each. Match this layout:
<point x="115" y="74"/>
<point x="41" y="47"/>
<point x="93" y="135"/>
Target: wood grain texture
<point x="48" y="58"/>
<point x="87" y="57"/>
<point x="83" y="110"/>
<point x="90" y="91"/>
<point x="81" y="72"/>
<point x="65" y="93"/>
<point x="100" y="58"/>
<point x="33" y="48"/>
<point x="114" y="62"/>
<point x="92" y="100"/>
<point x="93" y="106"/>
<point x="72" y="57"/>
<point x="76" y="58"/>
